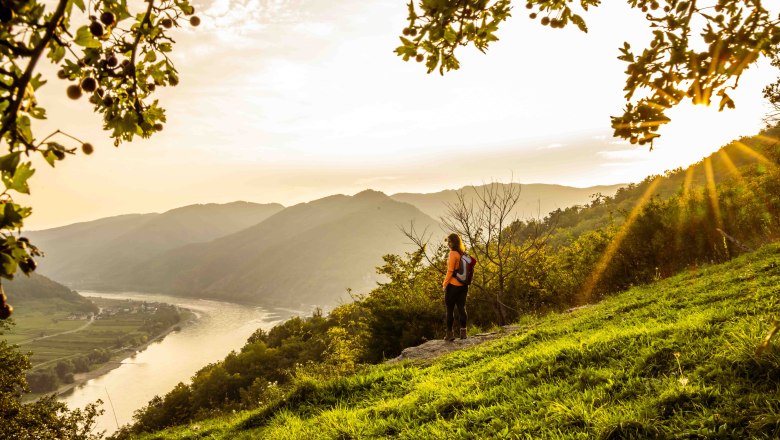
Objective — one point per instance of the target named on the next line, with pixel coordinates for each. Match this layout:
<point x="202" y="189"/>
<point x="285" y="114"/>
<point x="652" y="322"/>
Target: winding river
<point x="220" y="328"/>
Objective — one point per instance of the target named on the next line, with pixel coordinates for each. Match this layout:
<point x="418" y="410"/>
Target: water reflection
<point x="220" y="328"/>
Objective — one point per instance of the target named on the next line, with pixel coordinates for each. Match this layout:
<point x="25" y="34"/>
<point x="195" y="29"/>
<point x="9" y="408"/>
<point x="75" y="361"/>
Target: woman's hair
<point x="455" y="243"/>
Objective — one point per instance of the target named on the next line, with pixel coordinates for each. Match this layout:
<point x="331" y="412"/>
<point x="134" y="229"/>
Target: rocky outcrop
<point x="439" y="347"/>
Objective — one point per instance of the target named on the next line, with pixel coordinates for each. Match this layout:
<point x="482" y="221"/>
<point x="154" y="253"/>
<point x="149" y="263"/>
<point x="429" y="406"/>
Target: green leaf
<point x="12" y="217"/>
<point x="19" y="180"/>
<point x="50" y="157"/>
<point x="7" y="266"/>
<point x="38" y="113"/>
<point x="23" y="128"/>
<point x="85" y="38"/>
<point x="450" y="35"/>
<point x="56" y="52"/>
<point x="9" y="162"/>
<point x="128" y="123"/>
<point x="79" y="4"/>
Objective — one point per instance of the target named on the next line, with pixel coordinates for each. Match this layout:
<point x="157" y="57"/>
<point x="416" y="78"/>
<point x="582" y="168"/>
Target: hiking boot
<point x="463" y="333"/>
<point x="450" y="336"/>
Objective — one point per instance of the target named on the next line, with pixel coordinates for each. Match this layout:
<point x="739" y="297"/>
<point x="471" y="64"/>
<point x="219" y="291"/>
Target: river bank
<point x="118" y="358"/>
<point x="124" y="354"/>
<point x="130" y="384"/>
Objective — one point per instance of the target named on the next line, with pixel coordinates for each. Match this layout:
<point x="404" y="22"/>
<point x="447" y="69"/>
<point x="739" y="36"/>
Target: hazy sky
<point x="291" y="100"/>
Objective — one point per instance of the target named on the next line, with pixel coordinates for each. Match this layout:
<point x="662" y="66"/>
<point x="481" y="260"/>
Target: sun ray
<point x="686" y="193"/>
<point x="754" y="154"/>
<point x="713" y="191"/>
<point x="697" y="96"/>
<point x="757" y="191"/>
<point x="714" y="61"/>
<point x="730" y="164"/>
<point x="617" y="240"/>
<point x="766" y="138"/>
<point x="749" y="58"/>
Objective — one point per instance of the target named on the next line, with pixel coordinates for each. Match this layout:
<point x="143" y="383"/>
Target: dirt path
<point x="91" y="320"/>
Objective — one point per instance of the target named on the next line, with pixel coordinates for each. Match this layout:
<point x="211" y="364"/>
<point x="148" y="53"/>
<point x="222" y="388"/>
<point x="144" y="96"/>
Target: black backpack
<point x="465" y="271"/>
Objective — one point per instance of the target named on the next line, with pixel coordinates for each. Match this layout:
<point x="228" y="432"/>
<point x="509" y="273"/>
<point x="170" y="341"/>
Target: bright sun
<point x="697" y="131"/>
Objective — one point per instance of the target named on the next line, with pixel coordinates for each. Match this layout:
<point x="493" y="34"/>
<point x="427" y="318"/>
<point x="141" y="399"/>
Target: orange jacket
<point x="453" y="262"/>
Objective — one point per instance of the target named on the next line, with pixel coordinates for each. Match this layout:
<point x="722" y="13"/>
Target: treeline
<point x="44" y="380"/>
<point x="45" y="418"/>
<point x="573" y="256"/>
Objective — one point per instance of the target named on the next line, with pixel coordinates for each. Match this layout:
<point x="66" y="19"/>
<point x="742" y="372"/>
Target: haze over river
<point x="220" y="328"/>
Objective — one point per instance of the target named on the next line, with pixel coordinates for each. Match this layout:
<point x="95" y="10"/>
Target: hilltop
<point x="673" y="359"/>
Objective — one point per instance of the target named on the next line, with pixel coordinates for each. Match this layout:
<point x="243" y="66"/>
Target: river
<point x="220" y="328"/>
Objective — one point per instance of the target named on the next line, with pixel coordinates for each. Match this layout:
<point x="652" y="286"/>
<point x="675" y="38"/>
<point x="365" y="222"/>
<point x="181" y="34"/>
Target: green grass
<point x="676" y="359"/>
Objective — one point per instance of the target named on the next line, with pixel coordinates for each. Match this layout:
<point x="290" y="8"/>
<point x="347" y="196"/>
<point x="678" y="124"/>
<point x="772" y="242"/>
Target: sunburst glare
<point x="617" y="240"/>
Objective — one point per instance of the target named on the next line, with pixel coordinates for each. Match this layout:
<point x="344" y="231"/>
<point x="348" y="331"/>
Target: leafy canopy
<point x="113" y="56"/>
<point x="698" y="50"/>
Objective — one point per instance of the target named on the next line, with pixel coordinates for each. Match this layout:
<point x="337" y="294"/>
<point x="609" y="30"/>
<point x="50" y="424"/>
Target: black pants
<point x="455" y="296"/>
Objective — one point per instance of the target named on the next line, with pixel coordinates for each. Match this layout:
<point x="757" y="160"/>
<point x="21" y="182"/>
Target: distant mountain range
<point x="310" y="253"/>
<point x="89" y="253"/>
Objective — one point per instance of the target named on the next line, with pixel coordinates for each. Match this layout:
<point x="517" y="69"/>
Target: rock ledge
<point x="439" y="347"/>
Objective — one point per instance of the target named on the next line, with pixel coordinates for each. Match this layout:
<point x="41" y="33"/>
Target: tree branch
<point x="13" y="109"/>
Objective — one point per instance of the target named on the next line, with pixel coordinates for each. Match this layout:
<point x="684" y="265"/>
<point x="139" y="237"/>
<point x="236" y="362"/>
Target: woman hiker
<point x="455" y="291"/>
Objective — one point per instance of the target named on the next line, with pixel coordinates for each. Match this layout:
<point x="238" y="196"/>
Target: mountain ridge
<point x="84" y="252"/>
<point x="341" y="237"/>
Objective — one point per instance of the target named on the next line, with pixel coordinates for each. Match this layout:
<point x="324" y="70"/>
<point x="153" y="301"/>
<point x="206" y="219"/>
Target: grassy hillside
<point x="674" y="359"/>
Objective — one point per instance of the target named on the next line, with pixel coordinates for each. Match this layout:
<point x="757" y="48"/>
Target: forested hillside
<point x="42" y="294"/>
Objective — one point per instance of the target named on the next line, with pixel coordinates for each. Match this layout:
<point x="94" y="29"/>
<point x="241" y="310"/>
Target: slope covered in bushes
<point x="674" y="359"/>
